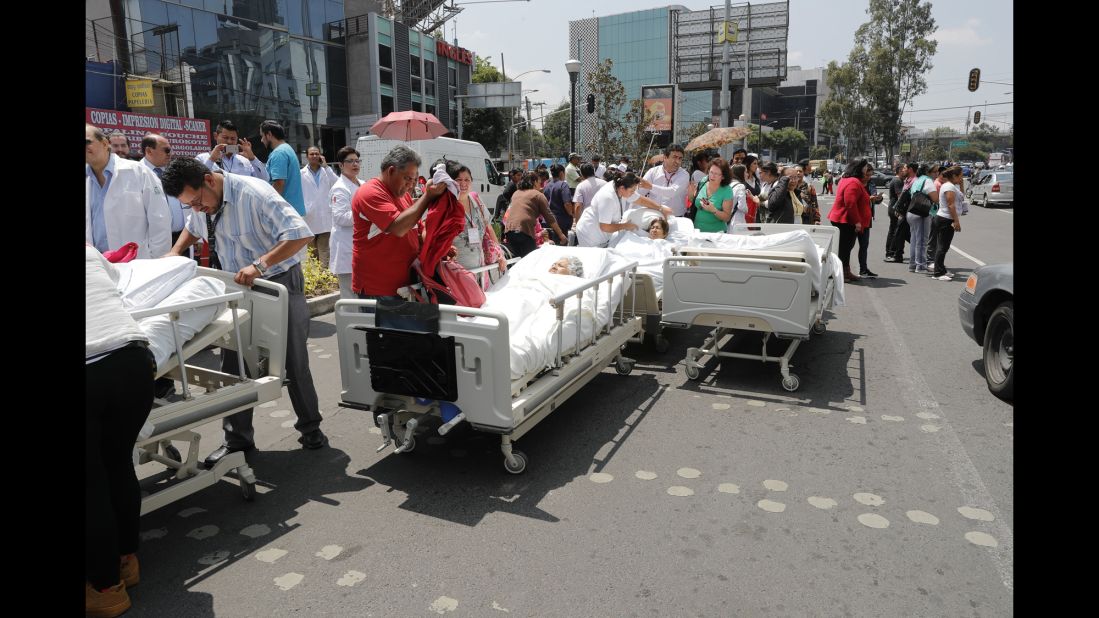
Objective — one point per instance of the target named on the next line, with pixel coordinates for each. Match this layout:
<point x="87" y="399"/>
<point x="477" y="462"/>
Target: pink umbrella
<point x="408" y="126"/>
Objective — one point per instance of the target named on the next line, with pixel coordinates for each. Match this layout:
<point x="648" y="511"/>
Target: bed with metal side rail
<point x="251" y="321"/>
<point x="503" y="367"/>
<point x="778" y="279"/>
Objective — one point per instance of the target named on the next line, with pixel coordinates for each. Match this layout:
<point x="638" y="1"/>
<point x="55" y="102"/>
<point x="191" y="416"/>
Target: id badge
<point x="474" y="236"/>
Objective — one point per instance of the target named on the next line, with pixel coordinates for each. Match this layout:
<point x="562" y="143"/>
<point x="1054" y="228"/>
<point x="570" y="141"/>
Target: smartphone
<point x="232" y="149"/>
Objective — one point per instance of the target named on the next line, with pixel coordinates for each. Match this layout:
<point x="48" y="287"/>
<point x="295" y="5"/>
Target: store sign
<point x="139" y="93"/>
<point x="188" y="137"/>
<point x="454" y="53"/>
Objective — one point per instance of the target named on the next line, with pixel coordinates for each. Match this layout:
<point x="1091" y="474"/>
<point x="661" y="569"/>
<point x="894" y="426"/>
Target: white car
<point x="996" y="187"/>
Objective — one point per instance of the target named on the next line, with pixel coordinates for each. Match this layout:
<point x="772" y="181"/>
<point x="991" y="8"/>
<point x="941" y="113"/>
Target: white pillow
<point x="642" y="218"/>
<point x="144" y="283"/>
<point x="159" y="327"/>
<point x="681" y="225"/>
<point x="595" y="261"/>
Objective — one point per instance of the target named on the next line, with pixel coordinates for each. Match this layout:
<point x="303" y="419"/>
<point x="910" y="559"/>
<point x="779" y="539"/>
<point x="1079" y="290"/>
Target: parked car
<point x="997" y="187"/>
<point x="881" y="179"/>
<point x="987" y="311"/>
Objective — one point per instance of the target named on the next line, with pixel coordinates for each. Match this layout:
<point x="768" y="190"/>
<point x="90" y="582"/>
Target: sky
<point x="533" y="34"/>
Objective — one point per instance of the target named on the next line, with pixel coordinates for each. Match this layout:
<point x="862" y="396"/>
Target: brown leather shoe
<point x="106" y="603"/>
<point x="128" y="568"/>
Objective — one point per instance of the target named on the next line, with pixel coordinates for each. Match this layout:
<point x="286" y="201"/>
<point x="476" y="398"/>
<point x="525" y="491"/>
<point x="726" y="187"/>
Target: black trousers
<point x="118" y="394"/>
<point x="942" y="230"/>
<point x="894" y="223"/>
<point x="864" y="250"/>
<point x="896" y="247"/>
<point x="520" y="243"/>
<point x="932" y="240"/>
<point x="847" y="242"/>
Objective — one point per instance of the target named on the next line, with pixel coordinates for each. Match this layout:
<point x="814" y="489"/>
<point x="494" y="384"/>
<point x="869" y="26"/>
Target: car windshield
<point x="1001" y="177"/>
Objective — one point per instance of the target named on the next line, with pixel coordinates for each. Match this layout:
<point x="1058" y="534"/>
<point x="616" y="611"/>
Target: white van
<point x="487" y="182"/>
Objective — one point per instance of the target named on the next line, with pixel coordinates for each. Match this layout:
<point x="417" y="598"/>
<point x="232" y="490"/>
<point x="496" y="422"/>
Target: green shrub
<point x="318" y="279"/>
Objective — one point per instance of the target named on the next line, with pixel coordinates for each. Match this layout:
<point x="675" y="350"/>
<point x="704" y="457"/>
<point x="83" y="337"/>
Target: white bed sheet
<point x="523" y="296"/>
<point x="798" y="241"/>
<point x="649" y="254"/>
<point x="145" y="283"/>
<point x="159" y="327"/>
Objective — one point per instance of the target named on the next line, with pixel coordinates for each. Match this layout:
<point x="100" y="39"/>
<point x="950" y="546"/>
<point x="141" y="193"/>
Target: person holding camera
<point x="233" y="154"/>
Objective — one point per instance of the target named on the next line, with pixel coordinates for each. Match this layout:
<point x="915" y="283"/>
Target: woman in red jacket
<point x="851" y="210"/>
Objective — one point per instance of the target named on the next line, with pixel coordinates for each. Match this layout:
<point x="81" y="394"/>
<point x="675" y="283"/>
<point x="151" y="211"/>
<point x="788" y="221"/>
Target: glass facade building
<point x="287" y="60"/>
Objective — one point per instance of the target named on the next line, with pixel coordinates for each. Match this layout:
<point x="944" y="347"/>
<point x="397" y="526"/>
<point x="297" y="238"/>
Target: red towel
<point x="445" y="220"/>
<point x="123" y="254"/>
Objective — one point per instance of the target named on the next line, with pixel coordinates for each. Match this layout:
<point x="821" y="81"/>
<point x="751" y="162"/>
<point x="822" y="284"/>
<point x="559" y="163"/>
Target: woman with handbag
<point x="851" y="210"/>
<point x="919" y="210"/>
<point x="476" y="243"/>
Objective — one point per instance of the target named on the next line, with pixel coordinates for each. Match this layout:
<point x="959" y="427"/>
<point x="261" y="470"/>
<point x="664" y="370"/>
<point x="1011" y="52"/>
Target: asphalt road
<point x="882" y="487"/>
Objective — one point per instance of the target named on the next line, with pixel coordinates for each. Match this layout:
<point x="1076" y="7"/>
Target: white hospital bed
<point x="780" y="292"/>
<point x="253" y="322"/>
<point x="465" y="356"/>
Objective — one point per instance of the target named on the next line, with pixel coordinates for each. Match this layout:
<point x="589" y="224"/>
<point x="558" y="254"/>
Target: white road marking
<point x="256" y="530"/>
<point x="194" y="510"/>
<point x="1003" y="210"/>
<point x="728" y="488"/>
<point x="443" y="605"/>
<point x="270" y="555"/>
<point x="970" y="512"/>
<point x="982" y="539"/>
<point x="873" y="520"/>
<point x="680" y="491"/>
<point x="600" y="477"/>
<point x="869" y="499"/>
<point x="500" y="608"/>
<point x="329" y="552"/>
<point x="771" y="506"/>
<point x="773" y="485"/>
<point x="923" y="517"/>
<point x="213" y="558"/>
<point x="967" y="256"/>
<point x="915" y="388"/>
<point x="822" y="503"/>
<point x="155" y="533"/>
<point x="645" y="475"/>
<point x="289" y="580"/>
<point x="688" y="473"/>
<point x="204" y="532"/>
<point x="351" y="578"/>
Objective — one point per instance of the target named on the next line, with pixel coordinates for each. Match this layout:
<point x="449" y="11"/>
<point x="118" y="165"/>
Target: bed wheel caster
<point x="407" y="447"/>
<point x="791" y="383"/>
<point x="520" y="464"/>
<point x="660" y="343"/>
<point x="819" y="328"/>
<point x="692" y="372"/>
<point x="248" y="490"/>
<point x="623" y="365"/>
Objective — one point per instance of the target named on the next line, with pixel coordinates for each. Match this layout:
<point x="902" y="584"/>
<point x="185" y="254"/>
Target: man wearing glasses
<point x="260" y="235"/>
<point x="123" y="201"/>
<point x="158" y="153"/>
<point x="387" y="231"/>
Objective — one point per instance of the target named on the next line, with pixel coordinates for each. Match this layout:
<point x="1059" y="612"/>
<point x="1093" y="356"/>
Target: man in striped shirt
<point x="260" y="236"/>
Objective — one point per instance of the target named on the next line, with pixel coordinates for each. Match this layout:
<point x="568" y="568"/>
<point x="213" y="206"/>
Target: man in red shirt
<point x="387" y="232"/>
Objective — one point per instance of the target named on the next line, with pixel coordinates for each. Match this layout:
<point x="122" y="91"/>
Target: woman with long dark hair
<point x="527" y="203"/>
<point x="470" y="242"/>
<point x="851" y="210"/>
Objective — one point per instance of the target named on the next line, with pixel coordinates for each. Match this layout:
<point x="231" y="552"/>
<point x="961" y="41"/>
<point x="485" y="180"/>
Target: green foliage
<point x="883" y="73"/>
<point x="556" y="131"/>
<point x="787" y="141"/>
<point x="969" y="153"/>
<point x="932" y="152"/>
<point x="693" y="131"/>
<point x="487" y="126"/>
<point x="610" y="96"/>
<point x="819" y="152"/>
<point x="635" y="138"/>
<point x="318" y="279"/>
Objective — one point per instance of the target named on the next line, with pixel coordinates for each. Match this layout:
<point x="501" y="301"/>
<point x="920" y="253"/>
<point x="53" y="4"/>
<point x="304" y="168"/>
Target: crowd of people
<point x="256" y="218"/>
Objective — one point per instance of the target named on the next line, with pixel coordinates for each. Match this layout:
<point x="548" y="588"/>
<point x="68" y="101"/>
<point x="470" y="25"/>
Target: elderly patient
<point x="570" y="265"/>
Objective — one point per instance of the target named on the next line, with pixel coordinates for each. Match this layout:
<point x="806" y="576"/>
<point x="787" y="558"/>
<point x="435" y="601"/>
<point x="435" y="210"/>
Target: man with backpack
<point x="898" y="210"/>
<point x="896" y="187"/>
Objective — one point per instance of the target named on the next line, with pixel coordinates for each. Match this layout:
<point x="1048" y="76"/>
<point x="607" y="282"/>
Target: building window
<point x="417" y="106"/>
<point x="453" y="72"/>
<point x="386" y="77"/>
<point x="385" y="56"/>
<point x="387" y="104"/>
<point x="416" y="85"/>
<point x="429" y="89"/>
<point x="453" y="118"/>
<point x="429" y="70"/>
<point x="415" y="62"/>
<point x="430" y="109"/>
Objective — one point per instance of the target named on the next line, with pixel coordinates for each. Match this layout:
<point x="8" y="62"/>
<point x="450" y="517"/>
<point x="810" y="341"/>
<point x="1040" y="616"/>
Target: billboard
<point x="493" y="94"/>
<point x="187" y="136"/>
<point x="660" y="101"/>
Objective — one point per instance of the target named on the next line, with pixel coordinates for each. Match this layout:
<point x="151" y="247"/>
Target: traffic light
<point x="977" y="117"/>
<point x="591" y="103"/>
<point x="974" y="79"/>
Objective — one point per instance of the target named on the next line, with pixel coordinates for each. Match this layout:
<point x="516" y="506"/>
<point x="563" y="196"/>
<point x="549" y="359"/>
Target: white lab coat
<point x="134" y="209"/>
<point x="318" y="216"/>
<point x="341" y="241"/>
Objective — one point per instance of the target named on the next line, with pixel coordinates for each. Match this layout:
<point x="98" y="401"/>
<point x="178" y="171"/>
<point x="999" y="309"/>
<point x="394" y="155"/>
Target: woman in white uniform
<point x="343" y="223"/>
<point x="600" y="219"/>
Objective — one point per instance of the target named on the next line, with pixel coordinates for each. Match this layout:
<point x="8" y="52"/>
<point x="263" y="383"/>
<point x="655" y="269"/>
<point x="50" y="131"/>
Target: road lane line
<point x="966" y="477"/>
<point x="967" y="256"/>
<point x="1003" y="210"/>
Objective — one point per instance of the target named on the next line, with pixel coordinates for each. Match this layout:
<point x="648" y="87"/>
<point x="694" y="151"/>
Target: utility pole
<point x="725" y="71"/>
<point x="530" y="133"/>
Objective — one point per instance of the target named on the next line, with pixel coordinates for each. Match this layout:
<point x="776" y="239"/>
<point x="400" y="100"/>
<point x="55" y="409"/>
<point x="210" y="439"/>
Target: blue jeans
<point x="917" y="249"/>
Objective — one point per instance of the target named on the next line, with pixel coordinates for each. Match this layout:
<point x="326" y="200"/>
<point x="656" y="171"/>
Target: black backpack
<point x="902" y="203"/>
<point x="920" y="203"/>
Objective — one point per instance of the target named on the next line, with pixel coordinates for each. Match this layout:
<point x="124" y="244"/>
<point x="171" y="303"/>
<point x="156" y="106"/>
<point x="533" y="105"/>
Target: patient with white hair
<point x="569" y="265"/>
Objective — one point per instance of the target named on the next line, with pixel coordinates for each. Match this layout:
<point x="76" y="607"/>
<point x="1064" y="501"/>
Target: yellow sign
<point x="728" y="32"/>
<point x="139" y="93"/>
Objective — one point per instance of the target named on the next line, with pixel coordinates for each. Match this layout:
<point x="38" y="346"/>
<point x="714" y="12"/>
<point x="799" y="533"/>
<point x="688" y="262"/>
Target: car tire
<point x="999" y="351"/>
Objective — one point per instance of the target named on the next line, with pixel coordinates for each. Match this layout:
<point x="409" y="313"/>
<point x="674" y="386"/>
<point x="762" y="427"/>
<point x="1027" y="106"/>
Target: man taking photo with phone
<point x="233" y="154"/>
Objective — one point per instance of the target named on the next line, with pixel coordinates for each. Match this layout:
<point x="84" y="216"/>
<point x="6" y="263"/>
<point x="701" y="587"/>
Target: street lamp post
<point x="573" y="67"/>
<point x="512" y="110"/>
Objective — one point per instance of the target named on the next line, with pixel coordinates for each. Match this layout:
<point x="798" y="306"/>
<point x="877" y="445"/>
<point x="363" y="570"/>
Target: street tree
<point x="606" y="122"/>
<point x="636" y="139"/>
<point x="693" y="131"/>
<point x="787" y="140"/>
<point x="487" y="126"/>
<point x="884" y="72"/>
<point x="556" y="131"/>
<point x="932" y="152"/>
<point x="819" y="152"/>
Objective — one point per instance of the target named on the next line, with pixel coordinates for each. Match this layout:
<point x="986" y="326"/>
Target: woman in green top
<point x="714" y="201"/>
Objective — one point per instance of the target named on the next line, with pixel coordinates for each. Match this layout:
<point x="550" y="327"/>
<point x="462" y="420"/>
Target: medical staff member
<point x="261" y="235"/>
<point x="317" y="180"/>
<point x="669" y="184"/>
<point x="343" y="224"/>
<point x="600" y="219"/>
<point x="123" y="201"/>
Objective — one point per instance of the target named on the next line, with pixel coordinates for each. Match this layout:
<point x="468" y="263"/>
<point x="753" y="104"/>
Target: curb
<point x="320" y="305"/>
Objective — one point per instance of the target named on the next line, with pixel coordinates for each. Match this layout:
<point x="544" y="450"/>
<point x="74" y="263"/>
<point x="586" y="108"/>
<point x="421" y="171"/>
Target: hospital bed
<point x="251" y="321"/>
<point x="502" y="368"/>
<point x="780" y="285"/>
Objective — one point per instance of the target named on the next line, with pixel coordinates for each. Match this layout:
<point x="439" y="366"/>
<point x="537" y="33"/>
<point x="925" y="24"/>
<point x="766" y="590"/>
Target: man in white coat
<point x="316" y="182"/>
<point x="123" y="201"/>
